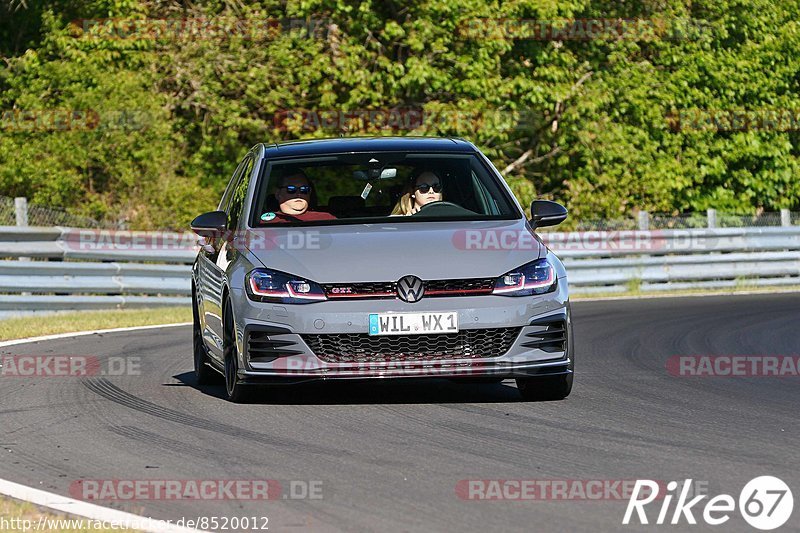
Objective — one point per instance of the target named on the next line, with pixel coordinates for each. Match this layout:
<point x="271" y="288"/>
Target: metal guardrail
<point x="674" y="273"/>
<point x="55" y="268"/>
<point x="60" y="269"/>
<point x="661" y="260"/>
<point x="99" y="245"/>
<point x="94" y="278"/>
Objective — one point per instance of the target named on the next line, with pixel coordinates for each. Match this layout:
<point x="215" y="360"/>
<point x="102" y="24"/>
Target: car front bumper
<point x="290" y="326"/>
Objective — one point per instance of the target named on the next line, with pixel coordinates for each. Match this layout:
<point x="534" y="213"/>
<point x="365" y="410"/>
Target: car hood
<point x="387" y="251"/>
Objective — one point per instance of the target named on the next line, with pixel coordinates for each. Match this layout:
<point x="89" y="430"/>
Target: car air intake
<point x="262" y="348"/>
<point x="548" y="334"/>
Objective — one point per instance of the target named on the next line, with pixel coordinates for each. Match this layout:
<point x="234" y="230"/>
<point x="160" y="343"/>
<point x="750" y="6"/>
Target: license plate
<point x="412" y="323"/>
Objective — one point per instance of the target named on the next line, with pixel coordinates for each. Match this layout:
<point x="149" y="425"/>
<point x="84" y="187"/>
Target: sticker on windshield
<point x="366" y="190"/>
<point x="266" y="217"/>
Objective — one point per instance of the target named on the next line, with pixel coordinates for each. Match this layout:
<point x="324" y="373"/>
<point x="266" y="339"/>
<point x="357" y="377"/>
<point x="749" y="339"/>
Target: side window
<point x="239" y="194"/>
<point x="226" y="196"/>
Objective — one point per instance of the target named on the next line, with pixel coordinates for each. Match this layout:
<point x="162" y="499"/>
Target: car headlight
<point x="538" y="277"/>
<point x="265" y="285"/>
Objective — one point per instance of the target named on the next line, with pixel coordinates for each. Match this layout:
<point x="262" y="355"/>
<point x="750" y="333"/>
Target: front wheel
<point x="544" y="388"/>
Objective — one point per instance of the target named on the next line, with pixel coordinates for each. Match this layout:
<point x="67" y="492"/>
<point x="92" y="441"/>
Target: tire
<point x="545" y="388"/>
<point x="203" y="374"/>
<point x="235" y="390"/>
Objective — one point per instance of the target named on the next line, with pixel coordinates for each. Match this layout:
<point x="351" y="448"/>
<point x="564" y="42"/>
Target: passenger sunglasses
<point x="302" y="189"/>
<point x="424" y="187"/>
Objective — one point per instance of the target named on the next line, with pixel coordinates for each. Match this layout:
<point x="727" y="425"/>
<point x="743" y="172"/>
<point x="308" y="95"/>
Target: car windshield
<point x="379" y="186"/>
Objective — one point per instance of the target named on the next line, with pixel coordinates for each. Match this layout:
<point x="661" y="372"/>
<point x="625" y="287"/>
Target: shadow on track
<point x="383" y="391"/>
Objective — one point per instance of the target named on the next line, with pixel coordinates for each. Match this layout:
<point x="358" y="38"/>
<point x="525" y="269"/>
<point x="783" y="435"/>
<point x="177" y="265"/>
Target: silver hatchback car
<point x="366" y="258"/>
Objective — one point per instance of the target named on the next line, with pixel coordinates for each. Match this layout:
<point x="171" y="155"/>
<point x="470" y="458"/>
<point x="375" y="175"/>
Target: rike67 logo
<point x="765" y="503"/>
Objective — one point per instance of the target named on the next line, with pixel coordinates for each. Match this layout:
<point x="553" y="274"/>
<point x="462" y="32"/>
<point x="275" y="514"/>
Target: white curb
<point x="92" y="332"/>
<point x="87" y="510"/>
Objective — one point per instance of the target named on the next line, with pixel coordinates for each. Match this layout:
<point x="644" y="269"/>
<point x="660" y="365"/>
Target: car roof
<point x="368" y="144"/>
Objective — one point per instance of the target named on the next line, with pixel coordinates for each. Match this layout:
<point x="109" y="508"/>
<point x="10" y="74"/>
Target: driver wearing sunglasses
<point x="424" y="189"/>
<point x="294" y="193"/>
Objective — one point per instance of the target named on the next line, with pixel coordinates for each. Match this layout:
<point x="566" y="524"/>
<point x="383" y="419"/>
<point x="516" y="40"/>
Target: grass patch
<point x="36" y="325"/>
<point x="16" y="513"/>
<point x="743" y="282"/>
<point x="634" y="285"/>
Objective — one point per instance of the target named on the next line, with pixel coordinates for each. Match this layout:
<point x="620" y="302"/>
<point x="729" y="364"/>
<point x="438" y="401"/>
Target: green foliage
<point x="585" y="122"/>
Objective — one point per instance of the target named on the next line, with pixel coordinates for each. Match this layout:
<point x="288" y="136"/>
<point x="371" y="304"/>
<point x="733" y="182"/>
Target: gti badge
<point x="342" y="290"/>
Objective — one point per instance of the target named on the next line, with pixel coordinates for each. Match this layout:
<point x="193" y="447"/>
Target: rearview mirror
<point x="375" y="174"/>
<point x="210" y="224"/>
<point x="547" y="213"/>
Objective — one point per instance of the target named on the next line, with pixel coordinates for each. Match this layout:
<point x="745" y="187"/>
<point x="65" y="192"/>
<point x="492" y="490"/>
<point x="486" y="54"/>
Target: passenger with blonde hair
<point x="424" y="189"/>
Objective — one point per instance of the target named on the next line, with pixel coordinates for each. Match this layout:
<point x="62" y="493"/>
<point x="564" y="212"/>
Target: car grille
<point x="360" y="290"/>
<point x="363" y="348"/>
<point x="453" y="286"/>
<point x="388" y="289"/>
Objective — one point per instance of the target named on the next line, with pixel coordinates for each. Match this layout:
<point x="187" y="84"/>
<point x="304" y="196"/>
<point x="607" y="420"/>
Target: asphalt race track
<point x="389" y="455"/>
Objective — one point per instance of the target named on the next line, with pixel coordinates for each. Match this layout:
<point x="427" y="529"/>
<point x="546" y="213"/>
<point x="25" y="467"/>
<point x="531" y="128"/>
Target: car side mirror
<point x="547" y="213"/>
<point x="211" y="224"/>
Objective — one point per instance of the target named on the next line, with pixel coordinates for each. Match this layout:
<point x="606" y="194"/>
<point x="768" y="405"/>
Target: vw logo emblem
<point x="410" y="289"/>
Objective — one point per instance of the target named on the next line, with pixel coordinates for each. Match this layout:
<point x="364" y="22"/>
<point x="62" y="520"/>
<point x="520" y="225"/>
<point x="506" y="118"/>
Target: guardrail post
<point x="712" y="218"/>
<point x="644" y="220"/>
<point x="21" y="210"/>
<point x="786" y="218"/>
